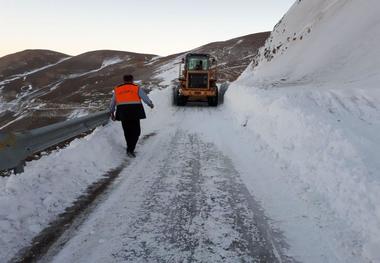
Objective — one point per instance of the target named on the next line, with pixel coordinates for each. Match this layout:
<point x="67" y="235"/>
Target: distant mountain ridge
<point x="39" y="87"/>
<point x="27" y="60"/>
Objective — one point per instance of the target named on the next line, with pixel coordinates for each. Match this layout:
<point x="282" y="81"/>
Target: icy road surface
<point x="180" y="200"/>
<point x="208" y="187"/>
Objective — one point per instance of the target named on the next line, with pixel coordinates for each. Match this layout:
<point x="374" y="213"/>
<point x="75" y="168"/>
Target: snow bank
<point x="330" y="157"/>
<point x="29" y="201"/>
<point x="312" y="95"/>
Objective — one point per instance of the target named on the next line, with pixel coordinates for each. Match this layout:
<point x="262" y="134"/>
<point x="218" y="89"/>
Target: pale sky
<point x="159" y="27"/>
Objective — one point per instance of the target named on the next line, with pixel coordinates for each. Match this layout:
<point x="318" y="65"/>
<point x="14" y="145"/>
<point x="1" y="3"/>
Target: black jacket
<point x="130" y="112"/>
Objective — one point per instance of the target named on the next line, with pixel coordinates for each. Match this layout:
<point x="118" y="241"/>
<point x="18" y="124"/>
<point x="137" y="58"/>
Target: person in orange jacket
<point x="127" y="101"/>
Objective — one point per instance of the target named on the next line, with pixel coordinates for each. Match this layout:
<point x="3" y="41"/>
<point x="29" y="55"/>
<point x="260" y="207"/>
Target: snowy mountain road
<point x="183" y="201"/>
<point x="286" y="169"/>
<point x="206" y="186"/>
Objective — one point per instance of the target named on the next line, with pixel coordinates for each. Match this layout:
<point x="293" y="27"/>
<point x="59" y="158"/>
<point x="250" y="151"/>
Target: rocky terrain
<point x="40" y="87"/>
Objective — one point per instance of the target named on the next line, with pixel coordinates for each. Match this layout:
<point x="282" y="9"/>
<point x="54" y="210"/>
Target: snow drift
<point x="312" y="94"/>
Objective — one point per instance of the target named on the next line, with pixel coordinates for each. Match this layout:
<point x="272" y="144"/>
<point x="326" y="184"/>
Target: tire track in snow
<point x="182" y="200"/>
<point x="197" y="210"/>
<point x="58" y="232"/>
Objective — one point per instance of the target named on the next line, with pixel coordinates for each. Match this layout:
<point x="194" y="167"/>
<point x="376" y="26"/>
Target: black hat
<point x="128" y="78"/>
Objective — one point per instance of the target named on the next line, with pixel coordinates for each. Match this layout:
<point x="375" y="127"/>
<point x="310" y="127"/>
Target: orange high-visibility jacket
<point x="127" y="94"/>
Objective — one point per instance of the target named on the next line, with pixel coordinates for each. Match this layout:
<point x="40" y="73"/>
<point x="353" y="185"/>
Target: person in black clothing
<point x="127" y="100"/>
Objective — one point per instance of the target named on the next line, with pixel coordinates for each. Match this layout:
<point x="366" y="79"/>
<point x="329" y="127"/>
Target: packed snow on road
<point x="286" y="170"/>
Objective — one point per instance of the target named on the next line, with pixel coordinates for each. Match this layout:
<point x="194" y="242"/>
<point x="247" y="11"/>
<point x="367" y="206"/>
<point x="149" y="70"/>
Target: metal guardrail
<point x="16" y="147"/>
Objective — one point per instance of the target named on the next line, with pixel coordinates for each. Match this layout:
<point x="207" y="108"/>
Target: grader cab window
<point x="197" y="63"/>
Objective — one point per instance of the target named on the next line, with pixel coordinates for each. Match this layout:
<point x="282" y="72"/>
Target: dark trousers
<point x="132" y="133"/>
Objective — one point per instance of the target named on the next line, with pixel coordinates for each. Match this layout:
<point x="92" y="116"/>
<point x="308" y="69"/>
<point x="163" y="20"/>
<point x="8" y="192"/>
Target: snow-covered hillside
<point x="313" y="96"/>
<point x="323" y="41"/>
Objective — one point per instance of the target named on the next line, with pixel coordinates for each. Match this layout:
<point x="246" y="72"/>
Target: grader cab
<point x="197" y="80"/>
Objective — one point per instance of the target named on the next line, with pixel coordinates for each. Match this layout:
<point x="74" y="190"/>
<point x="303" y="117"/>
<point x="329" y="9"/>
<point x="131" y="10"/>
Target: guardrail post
<point x="19" y="168"/>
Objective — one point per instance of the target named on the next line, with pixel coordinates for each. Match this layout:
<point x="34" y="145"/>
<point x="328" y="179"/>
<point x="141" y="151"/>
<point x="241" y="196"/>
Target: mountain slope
<point x="312" y="94"/>
<point x="234" y="55"/>
<point x="65" y="87"/>
<point x="70" y="85"/>
<point x="323" y="41"/>
<point x="28" y="60"/>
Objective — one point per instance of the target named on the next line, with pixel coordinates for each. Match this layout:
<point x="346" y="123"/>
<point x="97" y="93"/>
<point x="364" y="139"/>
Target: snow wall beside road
<point x="312" y="94"/>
